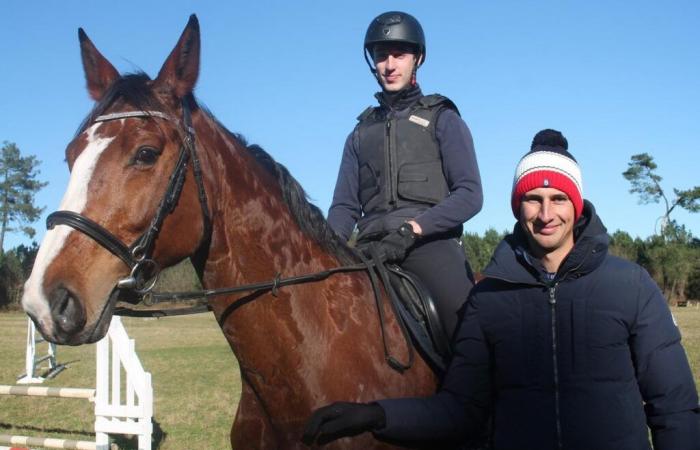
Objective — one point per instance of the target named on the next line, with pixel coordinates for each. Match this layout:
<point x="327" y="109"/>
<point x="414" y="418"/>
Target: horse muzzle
<point x="67" y="324"/>
<point x="67" y="314"/>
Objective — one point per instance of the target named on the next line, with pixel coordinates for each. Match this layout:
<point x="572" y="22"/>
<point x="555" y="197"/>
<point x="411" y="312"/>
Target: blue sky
<point x="617" y="78"/>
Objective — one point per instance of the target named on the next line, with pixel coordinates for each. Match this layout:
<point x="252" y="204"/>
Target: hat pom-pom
<point x="550" y="138"/>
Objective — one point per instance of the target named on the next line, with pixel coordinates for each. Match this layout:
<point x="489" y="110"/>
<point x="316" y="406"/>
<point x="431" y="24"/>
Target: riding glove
<point x="397" y="243"/>
<point x="342" y="419"/>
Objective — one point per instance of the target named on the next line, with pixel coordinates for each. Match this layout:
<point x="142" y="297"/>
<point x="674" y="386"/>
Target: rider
<point x="409" y="177"/>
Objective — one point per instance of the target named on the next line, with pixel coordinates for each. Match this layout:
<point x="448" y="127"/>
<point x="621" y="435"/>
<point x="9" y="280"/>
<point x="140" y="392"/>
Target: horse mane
<point x="134" y="89"/>
<point x="307" y="215"/>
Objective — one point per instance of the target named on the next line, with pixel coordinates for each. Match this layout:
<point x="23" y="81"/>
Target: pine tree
<point x="18" y="185"/>
<point x="641" y="173"/>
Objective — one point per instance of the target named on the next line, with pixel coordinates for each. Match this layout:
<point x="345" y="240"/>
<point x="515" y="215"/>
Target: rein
<point x="370" y="265"/>
<point x="145" y="270"/>
<point x="202" y="296"/>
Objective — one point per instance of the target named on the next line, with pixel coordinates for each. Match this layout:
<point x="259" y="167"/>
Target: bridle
<point x="144" y="270"/>
<point x="138" y="256"/>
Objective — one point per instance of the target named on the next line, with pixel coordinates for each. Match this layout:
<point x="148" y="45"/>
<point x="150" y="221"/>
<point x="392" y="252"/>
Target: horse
<point x="240" y="217"/>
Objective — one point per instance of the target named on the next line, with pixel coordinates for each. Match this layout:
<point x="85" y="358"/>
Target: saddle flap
<point x="421" y="316"/>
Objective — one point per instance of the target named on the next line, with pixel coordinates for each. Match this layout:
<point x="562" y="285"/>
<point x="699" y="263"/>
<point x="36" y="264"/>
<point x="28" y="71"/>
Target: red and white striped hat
<point x="548" y="164"/>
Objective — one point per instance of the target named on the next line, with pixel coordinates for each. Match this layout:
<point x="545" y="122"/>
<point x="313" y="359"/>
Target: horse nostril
<point x="67" y="313"/>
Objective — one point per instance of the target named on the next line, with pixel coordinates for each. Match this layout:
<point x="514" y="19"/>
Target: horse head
<point x="127" y="174"/>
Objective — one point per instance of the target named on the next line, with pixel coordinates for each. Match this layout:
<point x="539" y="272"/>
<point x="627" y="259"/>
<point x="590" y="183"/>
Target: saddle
<point x="416" y="309"/>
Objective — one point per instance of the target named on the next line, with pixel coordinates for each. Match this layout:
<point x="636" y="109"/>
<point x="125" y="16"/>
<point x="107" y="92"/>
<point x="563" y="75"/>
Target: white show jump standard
<point x="134" y="417"/>
<point x="32" y="363"/>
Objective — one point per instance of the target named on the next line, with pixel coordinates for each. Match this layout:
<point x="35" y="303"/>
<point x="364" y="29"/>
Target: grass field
<point x="195" y="379"/>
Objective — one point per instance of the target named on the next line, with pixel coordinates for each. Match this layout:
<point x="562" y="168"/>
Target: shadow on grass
<point x="123" y="442"/>
<point x="33" y="430"/>
<point x="132" y="442"/>
<point x="51" y="373"/>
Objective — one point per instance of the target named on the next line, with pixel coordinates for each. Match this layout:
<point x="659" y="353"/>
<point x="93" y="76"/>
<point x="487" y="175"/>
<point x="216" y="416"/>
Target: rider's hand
<point x="397" y="243"/>
<point x="342" y="419"/>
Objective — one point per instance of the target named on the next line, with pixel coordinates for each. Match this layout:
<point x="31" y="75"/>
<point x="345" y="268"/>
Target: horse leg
<point x="251" y="429"/>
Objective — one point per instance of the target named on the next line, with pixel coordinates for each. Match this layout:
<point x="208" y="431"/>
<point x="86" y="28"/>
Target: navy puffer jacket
<point x="582" y="362"/>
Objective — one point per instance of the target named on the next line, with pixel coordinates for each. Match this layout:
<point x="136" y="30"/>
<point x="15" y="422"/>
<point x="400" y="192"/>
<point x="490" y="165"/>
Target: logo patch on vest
<point x="419" y="120"/>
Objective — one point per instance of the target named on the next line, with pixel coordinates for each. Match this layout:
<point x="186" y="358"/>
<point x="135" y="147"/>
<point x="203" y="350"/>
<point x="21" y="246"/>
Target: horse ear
<point x="181" y="69"/>
<point x="99" y="72"/>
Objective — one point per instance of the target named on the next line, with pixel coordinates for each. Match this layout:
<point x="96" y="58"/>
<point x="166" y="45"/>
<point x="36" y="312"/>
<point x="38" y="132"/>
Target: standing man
<point x="408" y="177"/>
<point x="569" y="347"/>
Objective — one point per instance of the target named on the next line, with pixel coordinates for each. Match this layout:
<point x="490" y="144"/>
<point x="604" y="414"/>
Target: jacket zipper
<point x="553" y="303"/>
<point x="393" y="181"/>
<point x="553" y="306"/>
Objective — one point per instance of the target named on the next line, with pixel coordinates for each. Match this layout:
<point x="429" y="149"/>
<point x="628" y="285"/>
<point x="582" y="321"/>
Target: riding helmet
<point x="395" y="26"/>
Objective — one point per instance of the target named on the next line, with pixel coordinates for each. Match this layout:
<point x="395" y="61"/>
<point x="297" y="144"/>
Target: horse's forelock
<point x="133" y="89"/>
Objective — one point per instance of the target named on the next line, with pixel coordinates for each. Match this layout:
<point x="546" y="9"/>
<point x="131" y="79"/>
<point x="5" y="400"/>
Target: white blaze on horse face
<point x="34" y="300"/>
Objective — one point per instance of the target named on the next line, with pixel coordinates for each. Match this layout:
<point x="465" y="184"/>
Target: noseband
<point x="138" y="255"/>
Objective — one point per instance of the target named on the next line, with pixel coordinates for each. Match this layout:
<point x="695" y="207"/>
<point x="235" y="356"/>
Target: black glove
<point x="396" y="244"/>
<point x="342" y="419"/>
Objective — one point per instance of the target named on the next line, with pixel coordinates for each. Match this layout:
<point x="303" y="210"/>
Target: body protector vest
<point x="400" y="166"/>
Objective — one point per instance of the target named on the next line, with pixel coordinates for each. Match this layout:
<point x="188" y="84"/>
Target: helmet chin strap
<point x="419" y="61"/>
<point x="373" y="69"/>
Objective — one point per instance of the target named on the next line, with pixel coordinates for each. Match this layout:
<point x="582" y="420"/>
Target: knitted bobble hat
<point x="548" y="164"/>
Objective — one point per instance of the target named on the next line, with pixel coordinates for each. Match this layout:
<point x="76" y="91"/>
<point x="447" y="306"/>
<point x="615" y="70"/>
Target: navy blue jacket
<point x="585" y="361"/>
<point x="459" y="166"/>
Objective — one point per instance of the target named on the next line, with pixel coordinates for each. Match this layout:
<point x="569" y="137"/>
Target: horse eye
<point x="146" y="156"/>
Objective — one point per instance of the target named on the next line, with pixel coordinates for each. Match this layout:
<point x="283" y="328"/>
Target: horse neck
<point x="330" y="323"/>
<point x="254" y="235"/>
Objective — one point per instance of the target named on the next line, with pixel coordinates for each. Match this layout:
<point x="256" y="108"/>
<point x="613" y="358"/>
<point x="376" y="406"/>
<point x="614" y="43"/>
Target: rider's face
<point x="395" y="64"/>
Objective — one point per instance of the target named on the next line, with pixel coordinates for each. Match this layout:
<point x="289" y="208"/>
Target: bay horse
<point x="241" y="218"/>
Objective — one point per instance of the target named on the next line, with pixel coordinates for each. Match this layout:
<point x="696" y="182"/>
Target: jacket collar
<point x="513" y="262"/>
<point x="396" y="101"/>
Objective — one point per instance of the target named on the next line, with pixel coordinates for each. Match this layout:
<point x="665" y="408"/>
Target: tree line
<point x="671" y="256"/>
<point x="15" y="267"/>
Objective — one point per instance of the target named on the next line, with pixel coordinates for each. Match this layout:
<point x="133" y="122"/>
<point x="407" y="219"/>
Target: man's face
<point x="395" y="64"/>
<point x="547" y="216"/>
